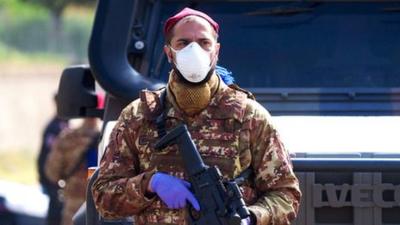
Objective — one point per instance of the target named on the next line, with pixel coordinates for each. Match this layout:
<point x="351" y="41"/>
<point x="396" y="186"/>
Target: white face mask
<point x="193" y="62"/>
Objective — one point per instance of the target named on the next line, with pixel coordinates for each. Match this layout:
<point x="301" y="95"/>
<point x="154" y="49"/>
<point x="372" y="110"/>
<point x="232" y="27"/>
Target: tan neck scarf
<point x="192" y="99"/>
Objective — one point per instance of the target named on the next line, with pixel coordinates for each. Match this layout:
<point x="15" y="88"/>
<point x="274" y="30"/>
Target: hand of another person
<point x="174" y="192"/>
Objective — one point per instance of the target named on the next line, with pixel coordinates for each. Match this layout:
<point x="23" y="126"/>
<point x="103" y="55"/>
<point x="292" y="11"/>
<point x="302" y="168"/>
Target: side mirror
<point x="76" y="96"/>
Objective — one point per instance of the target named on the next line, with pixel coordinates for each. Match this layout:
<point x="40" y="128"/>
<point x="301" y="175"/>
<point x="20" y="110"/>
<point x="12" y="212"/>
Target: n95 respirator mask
<point x="193" y="62"/>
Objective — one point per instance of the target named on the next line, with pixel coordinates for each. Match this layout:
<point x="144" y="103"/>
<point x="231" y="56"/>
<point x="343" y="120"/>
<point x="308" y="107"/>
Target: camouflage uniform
<point x="67" y="151"/>
<point x="234" y="132"/>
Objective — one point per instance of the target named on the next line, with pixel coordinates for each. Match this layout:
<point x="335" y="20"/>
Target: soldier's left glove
<point x="174" y="192"/>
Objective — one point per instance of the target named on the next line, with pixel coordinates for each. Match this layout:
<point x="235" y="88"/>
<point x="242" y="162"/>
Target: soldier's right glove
<point x="174" y="192"/>
<point x="246" y="221"/>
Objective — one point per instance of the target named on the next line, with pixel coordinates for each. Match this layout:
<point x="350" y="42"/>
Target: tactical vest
<point x="219" y="132"/>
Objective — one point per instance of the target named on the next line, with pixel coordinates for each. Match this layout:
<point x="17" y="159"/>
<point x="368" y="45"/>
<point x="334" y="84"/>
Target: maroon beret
<point x="170" y="23"/>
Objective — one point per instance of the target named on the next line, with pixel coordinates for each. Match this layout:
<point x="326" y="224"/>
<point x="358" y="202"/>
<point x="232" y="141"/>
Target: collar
<point x="225" y="103"/>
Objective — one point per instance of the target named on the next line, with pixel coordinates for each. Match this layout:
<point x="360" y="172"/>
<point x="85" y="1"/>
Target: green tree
<point x="56" y="9"/>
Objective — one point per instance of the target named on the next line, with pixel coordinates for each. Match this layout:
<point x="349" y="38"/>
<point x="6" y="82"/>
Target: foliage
<point x="26" y="29"/>
<point x="77" y="34"/>
<point x="25" y="33"/>
<point x="58" y="6"/>
<point x="21" y="9"/>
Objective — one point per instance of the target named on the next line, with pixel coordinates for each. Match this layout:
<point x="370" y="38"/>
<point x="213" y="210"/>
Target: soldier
<point x="52" y="130"/>
<point x="67" y="164"/>
<point x="230" y="129"/>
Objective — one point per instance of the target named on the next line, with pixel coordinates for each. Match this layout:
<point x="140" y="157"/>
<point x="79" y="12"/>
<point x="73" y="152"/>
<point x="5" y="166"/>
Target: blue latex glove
<point x="246" y="221"/>
<point x="174" y="192"/>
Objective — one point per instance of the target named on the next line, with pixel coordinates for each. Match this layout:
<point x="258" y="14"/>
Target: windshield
<point x="337" y="44"/>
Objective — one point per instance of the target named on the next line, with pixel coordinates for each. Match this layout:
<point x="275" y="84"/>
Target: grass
<point x="16" y="64"/>
<point x="8" y="54"/>
<point x="18" y="166"/>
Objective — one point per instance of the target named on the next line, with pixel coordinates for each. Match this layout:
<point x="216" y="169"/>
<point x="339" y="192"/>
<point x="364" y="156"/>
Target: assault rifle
<point x="221" y="202"/>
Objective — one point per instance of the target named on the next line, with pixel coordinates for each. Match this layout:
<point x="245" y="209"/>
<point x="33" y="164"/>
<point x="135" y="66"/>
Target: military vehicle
<point x="328" y="72"/>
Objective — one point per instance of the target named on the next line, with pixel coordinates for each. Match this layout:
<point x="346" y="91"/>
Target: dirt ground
<point x="26" y="91"/>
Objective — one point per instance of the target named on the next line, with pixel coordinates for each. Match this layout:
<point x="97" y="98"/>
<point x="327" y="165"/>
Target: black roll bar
<point x="108" y="50"/>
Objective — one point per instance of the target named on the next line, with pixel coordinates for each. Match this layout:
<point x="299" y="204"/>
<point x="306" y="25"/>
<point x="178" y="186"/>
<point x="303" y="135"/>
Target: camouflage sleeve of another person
<point x="66" y="152"/>
<point x="119" y="190"/>
<point x="278" y="188"/>
<point x="54" y="164"/>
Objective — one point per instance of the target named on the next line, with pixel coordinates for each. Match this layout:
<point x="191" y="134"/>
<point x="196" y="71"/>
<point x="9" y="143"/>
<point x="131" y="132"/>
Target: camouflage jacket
<point x="233" y="132"/>
<point x="61" y="164"/>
